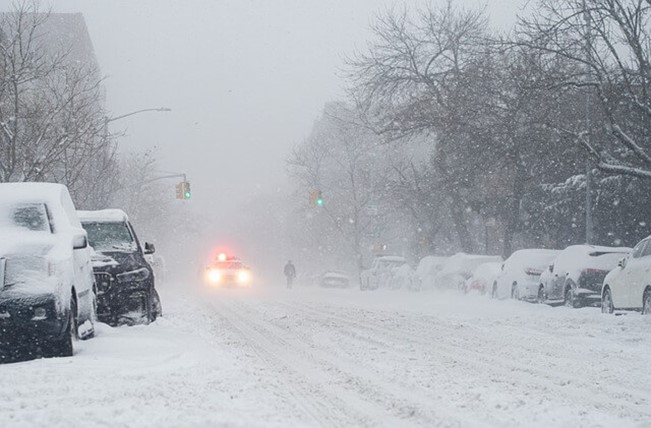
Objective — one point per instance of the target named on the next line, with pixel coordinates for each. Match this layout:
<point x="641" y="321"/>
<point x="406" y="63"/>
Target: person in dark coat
<point x="290" y="273"/>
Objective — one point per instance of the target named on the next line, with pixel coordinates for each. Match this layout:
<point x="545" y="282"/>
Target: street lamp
<point x="111" y="119"/>
<point x="107" y="119"/>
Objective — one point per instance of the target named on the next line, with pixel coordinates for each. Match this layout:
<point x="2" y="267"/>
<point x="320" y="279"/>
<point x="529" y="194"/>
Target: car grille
<point x="104" y="282"/>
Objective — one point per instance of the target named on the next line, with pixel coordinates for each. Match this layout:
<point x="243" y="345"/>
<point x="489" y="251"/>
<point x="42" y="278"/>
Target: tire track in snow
<point x="575" y="389"/>
<point x="305" y="382"/>
<point x="394" y="404"/>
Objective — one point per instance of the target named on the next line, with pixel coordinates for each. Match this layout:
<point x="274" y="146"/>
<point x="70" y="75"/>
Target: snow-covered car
<point x="459" y="268"/>
<point x="334" y="279"/>
<point x="126" y="292"/>
<point x="380" y="274"/>
<point x="228" y="271"/>
<point x="576" y="276"/>
<point x="520" y="274"/>
<point x="46" y="278"/>
<point x="628" y="286"/>
<point x="426" y="272"/>
<point x="483" y="277"/>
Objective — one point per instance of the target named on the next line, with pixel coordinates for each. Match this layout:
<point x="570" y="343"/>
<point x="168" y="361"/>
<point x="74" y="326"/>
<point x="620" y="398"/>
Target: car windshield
<point x="228" y="265"/>
<point x="110" y="236"/>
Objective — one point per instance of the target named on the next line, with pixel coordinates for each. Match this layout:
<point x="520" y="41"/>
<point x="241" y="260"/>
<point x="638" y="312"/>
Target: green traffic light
<point x="319" y="202"/>
<point x="187" y="195"/>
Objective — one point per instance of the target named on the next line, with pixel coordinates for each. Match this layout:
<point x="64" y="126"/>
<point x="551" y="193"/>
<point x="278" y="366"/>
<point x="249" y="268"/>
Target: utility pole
<point x="588" y="164"/>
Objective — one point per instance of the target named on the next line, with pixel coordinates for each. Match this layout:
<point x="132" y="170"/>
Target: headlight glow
<point x="214" y="275"/>
<point x="244" y="276"/>
<point x="133" y="276"/>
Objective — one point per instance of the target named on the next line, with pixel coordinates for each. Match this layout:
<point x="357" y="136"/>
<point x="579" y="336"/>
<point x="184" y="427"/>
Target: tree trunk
<point x="460" y="224"/>
<point x="513" y="213"/>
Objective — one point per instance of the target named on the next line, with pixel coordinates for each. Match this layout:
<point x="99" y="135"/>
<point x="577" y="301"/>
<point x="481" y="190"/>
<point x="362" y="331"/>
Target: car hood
<point x="118" y="261"/>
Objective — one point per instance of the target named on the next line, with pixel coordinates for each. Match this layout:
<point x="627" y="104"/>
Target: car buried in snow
<point x="483" y="277"/>
<point x="126" y="292"/>
<point x="334" y="279"/>
<point x="381" y="272"/>
<point x="228" y="272"/>
<point x="519" y="276"/>
<point x="46" y="280"/>
<point x="575" y="277"/>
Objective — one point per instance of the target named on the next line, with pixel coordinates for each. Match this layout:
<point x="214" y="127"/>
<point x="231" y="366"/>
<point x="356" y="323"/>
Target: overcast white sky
<point x="244" y="78"/>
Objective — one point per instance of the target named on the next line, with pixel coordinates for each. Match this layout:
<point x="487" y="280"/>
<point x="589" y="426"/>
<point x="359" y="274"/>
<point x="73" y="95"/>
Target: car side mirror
<point x="149" y="248"/>
<point x="622" y="262"/>
<point x="551" y="268"/>
<point x="79" y="242"/>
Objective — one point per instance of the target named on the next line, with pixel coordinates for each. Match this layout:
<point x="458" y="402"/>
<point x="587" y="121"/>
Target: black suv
<point x="124" y="279"/>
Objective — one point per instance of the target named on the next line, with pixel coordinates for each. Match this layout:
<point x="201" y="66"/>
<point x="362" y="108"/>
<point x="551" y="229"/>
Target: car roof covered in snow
<point x="113" y="215"/>
<point x="54" y="195"/>
<point x="532" y="256"/>
<point x="587" y="249"/>
<point x="395" y="259"/>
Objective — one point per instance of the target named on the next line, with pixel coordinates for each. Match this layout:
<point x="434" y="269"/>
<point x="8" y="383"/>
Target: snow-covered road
<point x="315" y="357"/>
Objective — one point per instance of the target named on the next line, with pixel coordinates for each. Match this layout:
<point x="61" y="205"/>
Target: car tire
<point x="63" y="347"/>
<point x="607" y="306"/>
<point x="541" y="295"/>
<point x="646" y="302"/>
<point x="515" y="292"/>
<point x="156" y="307"/>
<point x="569" y="299"/>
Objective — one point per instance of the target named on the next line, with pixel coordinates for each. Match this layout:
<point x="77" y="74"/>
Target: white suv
<point x="46" y="279"/>
<point x="628" y="286"/>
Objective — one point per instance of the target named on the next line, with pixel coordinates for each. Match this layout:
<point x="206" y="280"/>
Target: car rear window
<point x="32" y="217"/>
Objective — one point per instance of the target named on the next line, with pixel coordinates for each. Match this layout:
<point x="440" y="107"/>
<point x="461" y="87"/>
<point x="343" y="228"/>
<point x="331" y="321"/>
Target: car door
<point x="631" y="277"/>
<point x="83" y="275"/>
<point x="557" y="282"/>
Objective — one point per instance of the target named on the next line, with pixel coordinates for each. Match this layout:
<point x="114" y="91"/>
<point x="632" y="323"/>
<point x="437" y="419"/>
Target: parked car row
<point x="58" y="275"/>
<point x="615" y="278"/>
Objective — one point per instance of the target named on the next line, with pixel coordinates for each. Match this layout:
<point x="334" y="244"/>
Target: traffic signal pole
<point x="182" y="188"/>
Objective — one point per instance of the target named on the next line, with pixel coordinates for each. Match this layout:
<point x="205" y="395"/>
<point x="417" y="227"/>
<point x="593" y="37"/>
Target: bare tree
<point x="343" y="160"/>
<point x="52" y="121"/>
<point x="609" y="43"/>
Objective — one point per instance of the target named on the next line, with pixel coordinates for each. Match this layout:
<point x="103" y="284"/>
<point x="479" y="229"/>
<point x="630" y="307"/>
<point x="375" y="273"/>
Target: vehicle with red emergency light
<point x="228" y="271"/>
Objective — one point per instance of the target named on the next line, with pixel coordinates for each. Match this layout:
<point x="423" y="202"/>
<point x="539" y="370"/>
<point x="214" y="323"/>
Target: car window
<point x="110" y="236"/>
<point x="32" y="217"/>
<point x="638" y="250"/>
<point x="228" y="265"/>
<point x="647" y="250"/>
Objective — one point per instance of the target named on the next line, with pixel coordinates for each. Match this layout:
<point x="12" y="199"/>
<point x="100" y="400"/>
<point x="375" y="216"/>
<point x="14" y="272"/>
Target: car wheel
<point x="515" y="292"/>
<point x="607" y="306"/>
<point x="569" y="299"/>
<point x="646" y="302"/>
<point x="541" y="294"/>
<point x="63" y="347"/>
<point x="157" y="308"/>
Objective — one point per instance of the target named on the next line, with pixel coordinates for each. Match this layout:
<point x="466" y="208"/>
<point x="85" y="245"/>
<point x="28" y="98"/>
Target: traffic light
<point x="187" y="193"/>
<point x="315" y="198"/>
<point x="183" y="190"/>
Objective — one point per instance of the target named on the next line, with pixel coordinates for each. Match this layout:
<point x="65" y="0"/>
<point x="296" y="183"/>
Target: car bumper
<point x="587" y="297"/>
<point x="23" y="318"/>
<point x="529" y="290"/>
<point x="117" y="300"/>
